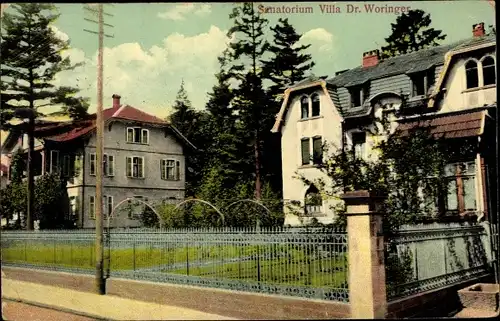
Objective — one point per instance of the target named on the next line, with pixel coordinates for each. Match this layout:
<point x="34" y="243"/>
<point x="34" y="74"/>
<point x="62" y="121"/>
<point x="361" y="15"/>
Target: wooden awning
<point x="456" y="125"/>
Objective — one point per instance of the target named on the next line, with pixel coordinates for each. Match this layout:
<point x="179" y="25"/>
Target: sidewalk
<point x="98" y="306"/>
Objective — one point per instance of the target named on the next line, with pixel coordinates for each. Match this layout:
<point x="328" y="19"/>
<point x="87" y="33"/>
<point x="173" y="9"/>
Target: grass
<point x="276" y="264"/>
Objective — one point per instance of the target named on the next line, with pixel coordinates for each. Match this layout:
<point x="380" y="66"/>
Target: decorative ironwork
<point x="305" y="262"/>
<point x="433" y="256"/>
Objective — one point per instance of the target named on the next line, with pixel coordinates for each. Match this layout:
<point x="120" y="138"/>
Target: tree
<point x="411" y="32"/>
<point x="191" y="124"/>
<point x="52" y="203"/>
<point x="251" y="100"/>
<point x="288" y="64"/>
<point x="31" y="58"/>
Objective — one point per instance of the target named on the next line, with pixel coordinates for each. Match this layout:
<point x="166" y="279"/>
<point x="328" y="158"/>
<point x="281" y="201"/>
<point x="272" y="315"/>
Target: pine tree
<point x="251" y="100"/>
<point x="31" y="58"/>
<point x="192" y="125"/>
<point x="288" y="64"/>
<point x="410" y="33"/>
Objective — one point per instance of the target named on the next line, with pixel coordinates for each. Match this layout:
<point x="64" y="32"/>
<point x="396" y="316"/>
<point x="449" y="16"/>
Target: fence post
<point x="367" y="288"/>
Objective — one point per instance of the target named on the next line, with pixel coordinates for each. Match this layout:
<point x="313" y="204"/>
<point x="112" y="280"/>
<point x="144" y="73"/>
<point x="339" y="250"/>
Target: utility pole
<point x="100" y="282"/>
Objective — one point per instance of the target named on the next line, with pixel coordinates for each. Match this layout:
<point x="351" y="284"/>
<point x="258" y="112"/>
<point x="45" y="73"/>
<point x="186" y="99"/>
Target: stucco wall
<point x="328" y="126"/>
<point x="457" y="96"/>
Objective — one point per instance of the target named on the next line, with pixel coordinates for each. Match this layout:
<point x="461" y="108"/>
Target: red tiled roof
<point x="79" y="128"/>
<point x="449" y="126"/>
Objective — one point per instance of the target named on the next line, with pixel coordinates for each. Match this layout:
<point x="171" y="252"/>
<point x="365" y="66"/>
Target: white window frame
<point x="92" y="207"/>
<point x="482" y="70"/>
<point x="142" y="131"/>
<point x="92" y="161"/>
<point x="52" y="153"/>
<point x="132" y="167"/>
<point x="165" y="167"/>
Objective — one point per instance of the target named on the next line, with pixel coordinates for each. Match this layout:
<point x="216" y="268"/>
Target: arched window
<point x="304" y="107"/>
<point x="489" y="77"/>
<point x="313" y="201"/>
<point x="315" y="105"/>
<point x="471" y="74"/>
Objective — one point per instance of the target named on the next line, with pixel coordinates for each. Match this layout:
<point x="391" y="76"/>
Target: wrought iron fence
<point x="308" y="262"/>
<point x="427" y="257"/>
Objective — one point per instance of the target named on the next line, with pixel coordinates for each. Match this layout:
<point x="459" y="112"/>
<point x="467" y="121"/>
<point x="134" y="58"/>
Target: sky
<point x="155" y="46"/>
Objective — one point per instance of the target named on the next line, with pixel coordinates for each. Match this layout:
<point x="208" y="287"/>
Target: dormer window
<point x="357" y="96"/>
<point x="304" y="107"/>
<point x="137" y="135"/>
<point x="421" y="82"/>
<point x="471" y="74"/>
<point x="489" y="76"/>
<point x="315" y="105"/>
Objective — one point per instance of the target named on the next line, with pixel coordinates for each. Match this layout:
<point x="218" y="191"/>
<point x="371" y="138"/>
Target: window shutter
<point x="130" y="135"/>
<point x="145" y="136"/>
<point x="129" y="166"/>
<point x="163" y="170"/>
<point x="92" y="207"/>
<point x="178" y="170"/>
<point x="141" y="167"/>
<point x="305" y="151"/>
<point x="317" y="150"/>
<point x="111" y="165"/>
<point x="92" y="159"/>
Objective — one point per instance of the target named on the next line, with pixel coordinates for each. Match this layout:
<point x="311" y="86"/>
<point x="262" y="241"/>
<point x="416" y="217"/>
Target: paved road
<point x="16" y="311"/>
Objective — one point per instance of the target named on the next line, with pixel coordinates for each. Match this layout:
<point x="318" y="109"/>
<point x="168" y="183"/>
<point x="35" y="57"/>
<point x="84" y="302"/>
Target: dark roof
<point x="413" y="62"/>
<point x="468" y="123"/>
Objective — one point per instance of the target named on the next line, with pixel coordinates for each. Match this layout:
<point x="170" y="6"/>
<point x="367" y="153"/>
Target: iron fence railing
<point x="304" y="262"/>
<point x="427" y="257"/>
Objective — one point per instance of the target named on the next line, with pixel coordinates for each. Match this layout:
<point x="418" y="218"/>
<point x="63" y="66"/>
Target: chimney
<point x="371" y="58"/>
<point x="478" y="29"/>
<point x="116" y="101"/>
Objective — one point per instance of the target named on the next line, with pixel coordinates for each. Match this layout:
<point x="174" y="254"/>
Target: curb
<point x="51" y="307"/>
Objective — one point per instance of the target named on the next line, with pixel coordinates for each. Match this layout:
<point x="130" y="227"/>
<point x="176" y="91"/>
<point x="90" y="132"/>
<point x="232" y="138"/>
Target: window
<point x="137" y="208"/>
<point x="313" y="201"/>
<point x="358" y="144"/>
<point x="178" y="170"/>
<point x="92" y="207"/>
<point x="92" y="159"/>
<point x="108" y="206"/>
<point x="137" y="135"/>
<point x="304" y="143"/>
<point x="135" y="166"/>
<point x="357" y="96"/>
<point x="489" y="76"/>
<point x="54" y="161"/>
<point x="317" y="150"/>
<point x="315" y="105"/>
<point x="168" y="169"/>
<point x="461" y="188"/>
<point x="66" y="165"/>
<point x="304" y="107"/>
<point x="73" y="201"/>
<point x="419" y="85"/>
<point x="471" y="74"/>
<point x="108" y="165"/>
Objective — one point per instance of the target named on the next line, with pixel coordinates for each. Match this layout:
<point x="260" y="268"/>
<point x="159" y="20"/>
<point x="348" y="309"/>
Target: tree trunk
<point x="31" y="183"/>
<point x="258" y="182"/>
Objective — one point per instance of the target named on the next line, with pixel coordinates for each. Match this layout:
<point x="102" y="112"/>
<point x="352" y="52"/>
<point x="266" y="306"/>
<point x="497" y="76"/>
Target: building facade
<point x="143" y="159"/>
<point x="452" y="87"/>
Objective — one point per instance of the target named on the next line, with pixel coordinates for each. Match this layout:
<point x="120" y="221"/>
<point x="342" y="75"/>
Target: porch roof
<point x="468" y="123"/>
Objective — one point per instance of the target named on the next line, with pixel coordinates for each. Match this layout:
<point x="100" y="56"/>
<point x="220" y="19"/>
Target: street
<point x="16" y="311"/>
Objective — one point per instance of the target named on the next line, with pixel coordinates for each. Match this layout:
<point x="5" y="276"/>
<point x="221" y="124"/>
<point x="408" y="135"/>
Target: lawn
<point x="270" y="263"/>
